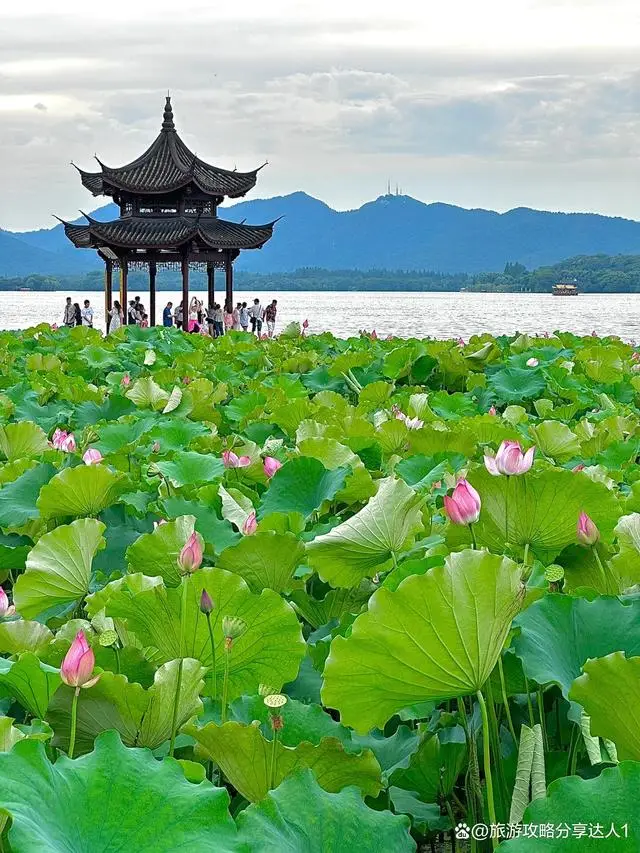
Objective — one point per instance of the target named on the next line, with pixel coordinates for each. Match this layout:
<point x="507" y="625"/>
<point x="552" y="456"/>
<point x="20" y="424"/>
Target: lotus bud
<point x="532" y="362"/>
<point x="305" y="324"/>
<point x="509" y="460"/>
<point x="271" y="465"/>
<point x="635" y="356"/>
<point x="460" y="342"/>
<point x="587" y="533"/>
<point x="232" y="628"/>
<point x="92" y="456"/>
<point x="374" y="335"/>
<point x="78" y="664"/>
<point x="578" y="468"/>
<point x="54" y="327"/>
<point x="463" y="506"/>
<point x="206" y="603"/>
<point x="250" y="525"/>
<point x="6" y="609"/>
<point x="493" y="411"/>
<point x="190" y="558"/>
<point x="69" y="444"/>
<point x="232" y="460"/>
<point x="155" y="447"/>
<point x="125" y="381"/>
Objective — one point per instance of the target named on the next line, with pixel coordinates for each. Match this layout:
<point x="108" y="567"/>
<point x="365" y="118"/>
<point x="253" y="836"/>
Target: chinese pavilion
<point x="168" y="201"/>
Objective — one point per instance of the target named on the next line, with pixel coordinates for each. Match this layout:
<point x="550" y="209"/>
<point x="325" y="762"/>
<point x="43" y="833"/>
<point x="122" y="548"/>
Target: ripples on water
<point x="440" y="315"/>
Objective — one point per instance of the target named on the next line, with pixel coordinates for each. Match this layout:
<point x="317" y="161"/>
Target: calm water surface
<point x="440" y="315"/>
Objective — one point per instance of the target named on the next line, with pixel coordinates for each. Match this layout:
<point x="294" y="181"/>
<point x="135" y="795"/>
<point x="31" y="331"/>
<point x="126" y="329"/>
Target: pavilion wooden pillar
<point x="211" y="294"/>
<point x="108" y="290"/>
<point x="153" y="269"/>
<point x="228" y="270"/>
<point x="185" y="292"/>
<point x="124" y="294"/>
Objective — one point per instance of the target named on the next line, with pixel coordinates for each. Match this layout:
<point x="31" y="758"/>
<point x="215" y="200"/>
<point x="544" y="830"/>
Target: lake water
<point x="440" y="315"/>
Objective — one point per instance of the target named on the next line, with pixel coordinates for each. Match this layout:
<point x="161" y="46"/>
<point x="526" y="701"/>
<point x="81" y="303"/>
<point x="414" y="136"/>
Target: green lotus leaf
<point x="10" y="734"/>
<point x="19" y="636"/>
<point x="269" y="652"/>
<point x="302" y="722"/>
<point x="625" y="565"/>
<point x="141" y="717"/>
<point x="452" y="407"/>
<point x="300" y="815"/>
<point x="156" y="554"/>
<point x="147" y="394"/>
<point x="18" y="498"/>
<point x="190" y="468"/>
<point x="359" y="485"/>
<point x="513" y="384"/>
<point x="10" y="471"/>
<point x="244" y="755"/>
<point x="612" y="676"/>
<point x="81" y="491"/>
<point x="176" y="433"/>
<point x="58" y="569"/>
<point x="433" y="769"/>
<point x="540" y="510"/>
<point x="374" y="396"/>
<point x="559" y="634"/>
<point x="236" y="506"/>
<point x="301" y="485"/>
<point x="265" y="560"/>
<point x="438" y="636"/>
<point x="31" y="682"/>
<point x="289" y="416"/>
<point x="425" y="817"/>
<point x="556" y="440"/>
<point x="217" y="533"/>
<point x="431" y="440"/>
<point x="116" y="437"/>
<point x="21" y="440"/>
<point x="601" y="802"/>
<point x="336" y="602"/>
<point x="368" y="541"/>
<point x="421" y="472"/>
<point x="129" y="802"/>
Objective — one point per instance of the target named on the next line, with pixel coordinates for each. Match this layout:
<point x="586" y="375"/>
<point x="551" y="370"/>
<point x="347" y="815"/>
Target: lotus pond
<point x="312" y="595"/>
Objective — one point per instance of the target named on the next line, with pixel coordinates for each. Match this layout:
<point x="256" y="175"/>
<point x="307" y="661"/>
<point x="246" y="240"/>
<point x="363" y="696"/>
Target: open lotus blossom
<point x="232" y="460"/>
<point x="251" y="524"/>
<point x="92" y="456"/>
<point x="509" y="460"/>
<point x="271" y="465"/>
<point x="410" y="423"/>
<point x="6" y="609"/>
<point x="492" y="410"/>
<point x="69" y="444"/>
<point x="464" y="504"/>
<point x="58" y="437"/>
<point x="587" y="533"/>
<point x="190" y="558"/>
<point x="78" y="664"/>
<point x="532" y="362"/>
<point x="125" y="381"/>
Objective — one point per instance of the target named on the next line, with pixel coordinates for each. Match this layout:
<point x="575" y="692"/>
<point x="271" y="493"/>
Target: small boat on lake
<point x="565" y="288"/>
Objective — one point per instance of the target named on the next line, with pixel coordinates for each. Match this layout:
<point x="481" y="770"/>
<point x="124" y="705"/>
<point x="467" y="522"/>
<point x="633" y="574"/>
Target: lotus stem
<point x="525" y="558"/>
<point x="213" y="655"/>
<point x="117" y="654"/>
<point x="506" y="511"/>
<point x="505" y="699"/>
<point x="225" y="682"/>
<point x="543" y="725"/>
<point x="74" y="721"/>
<point x="176" y="698"/>
<point x="472" y="778"/>
<point x="474" y="542"/>
<point x="272" y="762"/>
<point x="605" y="580"/>
<point x="530" y="706"/>
<point x="487" y="764"/>
<point x="495" y="746"/>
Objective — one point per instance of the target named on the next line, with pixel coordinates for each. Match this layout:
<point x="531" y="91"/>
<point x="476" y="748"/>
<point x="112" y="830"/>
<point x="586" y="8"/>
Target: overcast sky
<point x="495" y="104"/>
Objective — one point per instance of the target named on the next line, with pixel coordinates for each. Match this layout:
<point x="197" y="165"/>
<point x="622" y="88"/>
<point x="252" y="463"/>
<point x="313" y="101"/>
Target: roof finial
<point x="167" y="118"/>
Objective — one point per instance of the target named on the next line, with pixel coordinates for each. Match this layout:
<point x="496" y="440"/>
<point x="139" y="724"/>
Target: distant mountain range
<point x="392" y="233"/>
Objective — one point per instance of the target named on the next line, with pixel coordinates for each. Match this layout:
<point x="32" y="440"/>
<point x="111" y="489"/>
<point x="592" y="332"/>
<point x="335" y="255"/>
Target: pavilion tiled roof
<point x="166" y="166"/>
<point x="168" y="232"/>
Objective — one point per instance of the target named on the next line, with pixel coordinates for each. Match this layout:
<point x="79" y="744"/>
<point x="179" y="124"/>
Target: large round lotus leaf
<point x="31" y="682"/>
<point x="438" y="636"/>
<point x="216" y="532"/>
<point x="609" y="692"/>
<point x="301" y="485"/>
<point x="433" y="769"/>
<point x="18" y="498"/>
<point x="189" y="468"/>
<point x="80" y="491"/>
<point x="299" y="815"/>
<point x="269" y="652"/>
<point x="365" y="543"/>
<point x="147" y="394"/>
<point x="113" y="800"/>
<point x="596" y="804"/>
<point x="625" y="565"/>
<point x="540" y="509"/>
<point x="117" y="437"/>
<point x="58" y="569"/>
<point x="156" y="553"/>
<point x="556" y="440"/>
<point x="18" y="636"/>
<point x="176" y="433"/>
<point x="558" y="634"/>
<point x="23" y="439"/>
<point x="513" y="384"/>
<point x="142" y="717"/>
<point x="244" y="755"/>
<point x="265" y="560"/>
<point x="336" y="602"/>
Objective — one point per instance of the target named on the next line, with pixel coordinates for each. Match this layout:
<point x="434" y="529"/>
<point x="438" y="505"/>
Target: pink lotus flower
<point x="190" y="558"/>
<point x="437" y="484"/>
<point x="509" y="460"/>
<point x="206" y="602"/>
<point x="186" y="380"/>
<point x="460" y="342"/>
<point x="586" y="532"/>
<point x="232" y="460"/>
<point x="251" y="524"/>
<point x="78" y="664"/>
<point x="635" y="356"/>
<point x="545" y="334"/>
<point x="6" y="609"/>
<point x="305" y="324"/>
<point x="389" y="338"/>
<point x="594" y="334"/>
<point x="492" y="410"/>
<point x="532" y="362"/>
<point x="58" y="437"/>
<point x="410" y="423"/>
<point x="54" y="327"/>
<point x="155" y="447"/>
<point x="92" y="456"/>
<point x="463" y="506"/>
<point x="578" y="468"/>
<point x="374" y="335"/>
<point x="125" y="381"/>
<point x="69" y="444"/>
<point x="271" y="465"/>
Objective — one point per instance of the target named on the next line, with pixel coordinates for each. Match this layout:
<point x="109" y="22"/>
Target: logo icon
<point x="463" y="832"/>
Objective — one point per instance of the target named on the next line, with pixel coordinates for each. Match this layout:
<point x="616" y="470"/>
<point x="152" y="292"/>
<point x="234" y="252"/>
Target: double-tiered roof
<point x="168" y="199"/>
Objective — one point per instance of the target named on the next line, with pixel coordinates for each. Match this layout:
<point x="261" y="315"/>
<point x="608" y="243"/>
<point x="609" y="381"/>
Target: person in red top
<point x="270" y="317"/>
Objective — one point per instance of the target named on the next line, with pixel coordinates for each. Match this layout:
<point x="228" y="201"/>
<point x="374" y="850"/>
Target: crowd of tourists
<point x="214" y="320"/>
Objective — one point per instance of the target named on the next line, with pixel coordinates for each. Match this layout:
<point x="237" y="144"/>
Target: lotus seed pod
<point x="554" y="573"/>
<point x="233" y="627"/>
<point x="108" y="637"/>
<point x="275" y="700"/>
